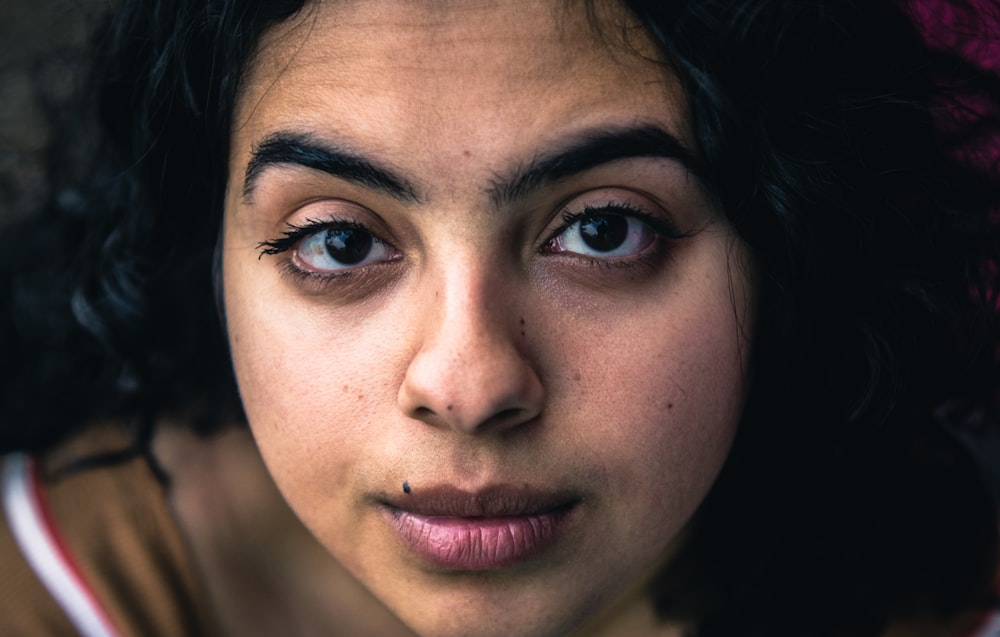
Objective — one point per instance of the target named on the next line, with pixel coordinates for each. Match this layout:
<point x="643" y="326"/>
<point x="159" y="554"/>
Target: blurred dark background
<point x="42" y="43"/>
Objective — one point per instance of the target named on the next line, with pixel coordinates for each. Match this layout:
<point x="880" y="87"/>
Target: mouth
<point x="490" y="529"/>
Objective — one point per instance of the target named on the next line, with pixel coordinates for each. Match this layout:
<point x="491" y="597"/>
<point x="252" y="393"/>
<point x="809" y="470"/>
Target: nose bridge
<point x="463" y="329"/>
<point x="472" y="308"/>
<point x="470" y="372"/>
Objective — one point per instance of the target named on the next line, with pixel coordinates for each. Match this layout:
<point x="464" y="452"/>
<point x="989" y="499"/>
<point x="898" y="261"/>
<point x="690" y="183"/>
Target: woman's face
<point x="488" y="326"/>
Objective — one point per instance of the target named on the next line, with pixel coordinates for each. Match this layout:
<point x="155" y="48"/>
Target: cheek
<point x="657" y="407"/>
<point x="671" y="428"/>
<point x="311" y="387"/>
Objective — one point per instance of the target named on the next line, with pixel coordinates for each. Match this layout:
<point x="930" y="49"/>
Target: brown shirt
<point x="115" y="524"/>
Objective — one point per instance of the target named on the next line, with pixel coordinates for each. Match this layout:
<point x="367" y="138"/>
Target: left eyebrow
<point x="286" y="148"/>
<point x="592" y="150"/>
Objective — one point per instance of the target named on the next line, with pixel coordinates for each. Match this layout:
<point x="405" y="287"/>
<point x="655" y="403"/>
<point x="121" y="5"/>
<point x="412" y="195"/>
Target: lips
<point x="486" y="530"/>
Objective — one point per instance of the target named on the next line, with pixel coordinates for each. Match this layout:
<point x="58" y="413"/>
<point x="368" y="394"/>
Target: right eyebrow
<point x="286" y="148"/>
<point x="590" y="149"/>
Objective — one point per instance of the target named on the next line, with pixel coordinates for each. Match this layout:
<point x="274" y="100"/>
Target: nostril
<point x="508" y="413"/>
<point x="513" y="414"/>
<point x="422" y="413"/>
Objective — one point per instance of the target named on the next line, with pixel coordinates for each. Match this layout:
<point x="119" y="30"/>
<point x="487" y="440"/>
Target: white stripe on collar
<point x="44" y="551"/>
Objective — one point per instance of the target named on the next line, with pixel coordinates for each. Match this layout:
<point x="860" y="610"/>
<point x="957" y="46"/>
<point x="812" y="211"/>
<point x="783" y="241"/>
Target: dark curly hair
<point x="822" y="127"/>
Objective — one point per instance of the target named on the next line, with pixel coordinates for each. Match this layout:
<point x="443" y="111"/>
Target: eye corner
<point x="280" y="245"/>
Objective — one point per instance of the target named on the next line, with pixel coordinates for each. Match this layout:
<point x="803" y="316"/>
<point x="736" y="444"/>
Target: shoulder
<point x="26" y="607"/>
<point x="95" y="545"/>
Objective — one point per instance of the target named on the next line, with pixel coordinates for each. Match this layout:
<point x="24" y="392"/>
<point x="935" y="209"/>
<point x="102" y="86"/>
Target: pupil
<point x="604" y="233"/>
<point x="348" y="245"/>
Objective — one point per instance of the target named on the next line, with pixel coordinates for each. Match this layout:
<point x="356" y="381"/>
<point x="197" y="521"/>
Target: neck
<point x="264" y="573"/>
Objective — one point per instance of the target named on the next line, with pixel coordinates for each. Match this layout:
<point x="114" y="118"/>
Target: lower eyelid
<point x="345" y="286"/>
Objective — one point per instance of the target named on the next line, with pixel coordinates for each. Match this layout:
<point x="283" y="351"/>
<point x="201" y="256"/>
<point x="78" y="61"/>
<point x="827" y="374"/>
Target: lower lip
<point x="476" y="544"/>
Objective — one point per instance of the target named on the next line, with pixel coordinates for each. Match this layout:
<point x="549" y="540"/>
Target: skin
<point x="483" y="346"/>
<point x="264" y="574"/>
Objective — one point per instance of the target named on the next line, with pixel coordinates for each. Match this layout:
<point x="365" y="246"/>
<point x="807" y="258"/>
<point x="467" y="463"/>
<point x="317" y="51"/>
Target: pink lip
<point x="490" y="529"/>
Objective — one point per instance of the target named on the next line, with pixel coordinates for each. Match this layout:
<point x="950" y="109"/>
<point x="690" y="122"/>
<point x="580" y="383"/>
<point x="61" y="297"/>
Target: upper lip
<point x="492" y="501"/>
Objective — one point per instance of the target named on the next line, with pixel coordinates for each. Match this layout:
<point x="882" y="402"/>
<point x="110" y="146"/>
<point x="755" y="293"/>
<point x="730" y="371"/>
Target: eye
<point x="339" y="248"/>
<point x="330" y="247"/>
<point x="604" y="234"/>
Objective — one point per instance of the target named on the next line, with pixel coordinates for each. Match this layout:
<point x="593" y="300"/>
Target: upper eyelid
<point x="662" y="224"/>
<point x="571" y="215"/>
<point x="612" y="196"/>
<point x="294" y="233"/>
<point x="312" y="206"/>
<point x="326" y="212"/>
<point x="591" y="208"/>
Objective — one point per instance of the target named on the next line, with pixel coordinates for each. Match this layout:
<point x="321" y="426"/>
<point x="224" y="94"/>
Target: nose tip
<point x="471" y="381"/>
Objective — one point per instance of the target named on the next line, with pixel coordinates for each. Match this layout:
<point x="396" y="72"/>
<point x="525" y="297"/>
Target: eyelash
<point x="295" y="233"/>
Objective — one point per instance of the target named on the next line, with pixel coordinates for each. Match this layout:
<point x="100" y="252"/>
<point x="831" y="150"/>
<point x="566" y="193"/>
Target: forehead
<point x="399" y="69"/>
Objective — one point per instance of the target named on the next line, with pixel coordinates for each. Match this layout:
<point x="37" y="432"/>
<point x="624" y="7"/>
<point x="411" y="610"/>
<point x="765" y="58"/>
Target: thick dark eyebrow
<point x="591" y="150"/>
<point x="297" y="149"/>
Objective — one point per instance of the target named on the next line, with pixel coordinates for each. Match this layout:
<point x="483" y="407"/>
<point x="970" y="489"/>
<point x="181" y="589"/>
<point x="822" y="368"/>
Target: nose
<point x="470" y="372"/>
